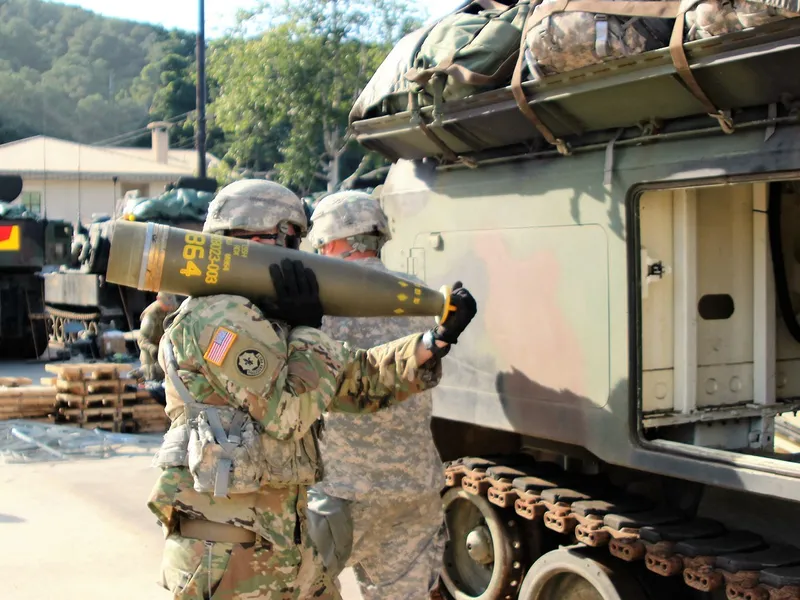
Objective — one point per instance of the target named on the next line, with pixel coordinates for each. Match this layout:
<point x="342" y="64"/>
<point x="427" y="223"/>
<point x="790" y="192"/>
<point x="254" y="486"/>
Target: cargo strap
<point x="461" y="74"/>
<point x="227" y="441"/>
<point x="419" y="121"/>
<point x="608" y="168"/>
<point x="522" y="99"/>
<point x="215" y="532"/>
<point x="678" y="55"/>
<point x="623" y="8"/>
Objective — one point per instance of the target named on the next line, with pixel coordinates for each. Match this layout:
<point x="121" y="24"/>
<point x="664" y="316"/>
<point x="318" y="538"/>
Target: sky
<point x="220" y="14"/>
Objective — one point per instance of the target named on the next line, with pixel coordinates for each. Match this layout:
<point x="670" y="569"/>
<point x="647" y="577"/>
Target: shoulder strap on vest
<point x="227" y="441"/>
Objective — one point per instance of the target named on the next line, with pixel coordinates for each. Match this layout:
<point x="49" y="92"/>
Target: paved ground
<point x="79" y="530"/>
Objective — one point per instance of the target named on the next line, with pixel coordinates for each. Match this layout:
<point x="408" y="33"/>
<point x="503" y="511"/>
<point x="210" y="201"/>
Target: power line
<point x="136" y="133"/>
<point x="131" y="135"/>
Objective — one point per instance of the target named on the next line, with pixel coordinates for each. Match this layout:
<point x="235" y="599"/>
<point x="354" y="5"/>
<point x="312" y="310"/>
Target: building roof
<point x="46" y="157"/>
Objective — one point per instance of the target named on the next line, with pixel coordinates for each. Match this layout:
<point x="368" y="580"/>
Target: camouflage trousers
<point x="397" y="546"/>
<point x="198" y="570"/>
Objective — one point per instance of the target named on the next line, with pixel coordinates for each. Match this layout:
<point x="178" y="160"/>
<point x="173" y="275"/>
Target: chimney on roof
<point x="160" y="142"/>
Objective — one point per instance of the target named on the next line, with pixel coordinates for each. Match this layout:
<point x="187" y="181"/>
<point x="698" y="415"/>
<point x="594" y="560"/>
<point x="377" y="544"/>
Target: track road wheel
<point x="483" y="556"/>
<point x="579" y="573"/>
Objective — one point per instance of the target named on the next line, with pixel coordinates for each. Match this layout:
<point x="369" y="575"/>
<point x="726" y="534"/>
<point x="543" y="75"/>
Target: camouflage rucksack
<point x="717" y="17"/>
<point x="564" y="40"/>
<point x="563" y="35"/>
<point x="470" y="50"/>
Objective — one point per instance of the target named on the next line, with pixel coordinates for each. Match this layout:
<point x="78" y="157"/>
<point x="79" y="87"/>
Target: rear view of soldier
<point x="378" y="507"/>
<point x="246" y="381"/>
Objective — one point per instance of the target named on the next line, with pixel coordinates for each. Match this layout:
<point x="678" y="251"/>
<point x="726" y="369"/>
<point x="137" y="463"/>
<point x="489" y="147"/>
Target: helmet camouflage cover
<point x="255" y="205"/>
<point x="349" y="215"/>
<point x="167" y="298"/>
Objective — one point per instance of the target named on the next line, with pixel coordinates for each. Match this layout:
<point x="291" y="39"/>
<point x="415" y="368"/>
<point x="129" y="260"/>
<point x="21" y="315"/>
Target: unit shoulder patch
<point x="251" y="363"/>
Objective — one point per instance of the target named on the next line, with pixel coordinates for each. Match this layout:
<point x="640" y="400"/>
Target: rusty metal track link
<point x="594" y="512"/>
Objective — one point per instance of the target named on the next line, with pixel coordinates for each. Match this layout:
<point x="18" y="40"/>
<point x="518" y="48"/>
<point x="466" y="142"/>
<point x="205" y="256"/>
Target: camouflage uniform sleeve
<point x="383" y="376"/>
<point x="146" y="333"/>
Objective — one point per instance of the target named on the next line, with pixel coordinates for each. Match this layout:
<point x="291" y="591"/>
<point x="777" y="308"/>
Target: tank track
<point x="590" y="510"/>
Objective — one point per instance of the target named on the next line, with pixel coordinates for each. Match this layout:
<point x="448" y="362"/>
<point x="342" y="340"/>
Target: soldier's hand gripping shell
<point x="462" y="310"/>
<point x="297" y="294"/>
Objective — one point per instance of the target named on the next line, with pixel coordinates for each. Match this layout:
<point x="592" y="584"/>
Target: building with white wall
<point x="67" y="180"/>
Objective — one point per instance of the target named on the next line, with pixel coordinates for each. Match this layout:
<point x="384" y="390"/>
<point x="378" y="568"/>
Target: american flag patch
<point x="220" y="345"/>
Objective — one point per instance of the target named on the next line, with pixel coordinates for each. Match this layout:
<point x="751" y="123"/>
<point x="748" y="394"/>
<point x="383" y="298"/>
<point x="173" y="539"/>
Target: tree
<point x="284" y="96"/>
<point x="69" y="73"/>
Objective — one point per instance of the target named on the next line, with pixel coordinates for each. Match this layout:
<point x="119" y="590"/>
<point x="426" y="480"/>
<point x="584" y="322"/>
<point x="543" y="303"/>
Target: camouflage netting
<point x="174" y="205"/>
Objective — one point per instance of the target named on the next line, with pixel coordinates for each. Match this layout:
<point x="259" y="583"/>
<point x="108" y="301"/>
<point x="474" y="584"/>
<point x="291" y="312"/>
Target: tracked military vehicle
<point x="28" y="245"/>
<point x="618" y="420"/>
<point x="80" y="303"/>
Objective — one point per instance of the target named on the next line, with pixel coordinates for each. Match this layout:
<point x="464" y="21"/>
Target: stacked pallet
<point x="21" y="400"/>
<point x="100" y="396"/>
<point x="149" y="415"/>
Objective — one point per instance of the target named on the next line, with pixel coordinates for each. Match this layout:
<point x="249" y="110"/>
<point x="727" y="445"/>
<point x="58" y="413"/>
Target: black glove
<point x="463" y="310"/>
<point x="297" y="295"/>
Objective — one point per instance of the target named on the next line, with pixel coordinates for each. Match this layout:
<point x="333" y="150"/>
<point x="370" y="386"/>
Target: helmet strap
<point x="286" y="239"/>
<point x="362" y="243"/>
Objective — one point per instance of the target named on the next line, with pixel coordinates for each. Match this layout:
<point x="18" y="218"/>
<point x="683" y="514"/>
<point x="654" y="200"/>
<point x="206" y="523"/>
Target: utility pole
<point x="200" y="136"/>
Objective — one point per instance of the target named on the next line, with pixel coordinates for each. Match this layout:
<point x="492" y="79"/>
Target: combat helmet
<point x="167" y="299"/>
<point x="255" y="205"/>
<point x="353" y="216"/>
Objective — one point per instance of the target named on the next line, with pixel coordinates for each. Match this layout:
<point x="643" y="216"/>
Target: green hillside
<point x="72" y="74"/>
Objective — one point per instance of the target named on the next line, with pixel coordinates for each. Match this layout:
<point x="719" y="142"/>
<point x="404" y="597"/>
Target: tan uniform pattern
<point x="387" y="464"/>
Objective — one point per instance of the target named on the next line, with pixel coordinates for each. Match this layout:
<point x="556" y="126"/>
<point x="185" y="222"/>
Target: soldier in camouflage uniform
<point x="379" y="506"/>
<point x="246" y="382"/>
<point x="150" y="332"/>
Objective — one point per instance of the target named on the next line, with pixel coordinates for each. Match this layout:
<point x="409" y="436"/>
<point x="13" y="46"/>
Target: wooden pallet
<point x="84" y="371"/>
<point x="94" y="386"/>
<point x="97" y="400"/>
<point x="93" y="394"/>
<point x="88" y="395"/>
<point x="94" y="412"/>
<point x="14" y="381"/>
<point x="26" y="402"/>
